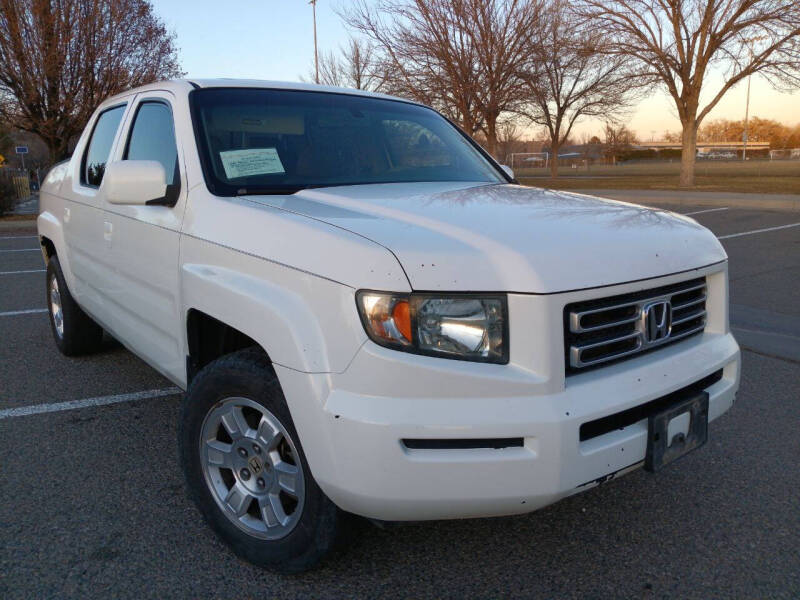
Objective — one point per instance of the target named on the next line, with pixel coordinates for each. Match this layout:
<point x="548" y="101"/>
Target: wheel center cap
<point x="255" y="464"/>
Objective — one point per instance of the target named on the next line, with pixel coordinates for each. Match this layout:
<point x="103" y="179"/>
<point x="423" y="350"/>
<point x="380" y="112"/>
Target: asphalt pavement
<point x="92" y="502"/>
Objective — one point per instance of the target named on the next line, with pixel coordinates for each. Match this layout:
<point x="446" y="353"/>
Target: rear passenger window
<point x="94" y="161"/>
<point x="153" y="137"/>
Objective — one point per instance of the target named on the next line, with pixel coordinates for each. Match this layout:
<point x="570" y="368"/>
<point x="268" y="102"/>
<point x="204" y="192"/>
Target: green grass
<point x="758" y="177"/>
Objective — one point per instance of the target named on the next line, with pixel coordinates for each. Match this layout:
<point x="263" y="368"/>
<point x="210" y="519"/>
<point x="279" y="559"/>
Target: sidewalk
<point x="785" y="202"/>
<point x="28" y="206"/>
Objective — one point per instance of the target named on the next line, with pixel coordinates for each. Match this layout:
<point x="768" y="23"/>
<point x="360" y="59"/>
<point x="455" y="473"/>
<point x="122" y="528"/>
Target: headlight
<point x="459" y="326"/>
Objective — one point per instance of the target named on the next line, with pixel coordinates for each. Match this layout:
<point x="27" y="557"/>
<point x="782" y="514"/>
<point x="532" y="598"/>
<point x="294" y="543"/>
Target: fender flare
<point x="277" y="318"/>
<point x="48" y="226"/>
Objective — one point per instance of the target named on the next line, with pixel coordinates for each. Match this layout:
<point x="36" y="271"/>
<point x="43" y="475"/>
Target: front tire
<point x="74" y="331"/>
<point x="246" y="470"/>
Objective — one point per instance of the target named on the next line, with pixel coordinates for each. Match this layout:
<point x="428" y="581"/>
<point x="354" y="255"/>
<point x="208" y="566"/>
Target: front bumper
<point x="360" y="462"/>
<point x="355" y="448"/>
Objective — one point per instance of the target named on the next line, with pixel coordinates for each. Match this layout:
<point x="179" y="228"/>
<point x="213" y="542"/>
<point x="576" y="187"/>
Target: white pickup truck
<point x="369" y="315"/>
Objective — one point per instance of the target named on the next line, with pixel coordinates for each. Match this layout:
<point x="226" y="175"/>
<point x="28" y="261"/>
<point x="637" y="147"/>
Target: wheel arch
<point x="51" y="240"/>
<point x="51" y="236"/>
<point x="209" y="338"/>
<point x="48" y="248"/>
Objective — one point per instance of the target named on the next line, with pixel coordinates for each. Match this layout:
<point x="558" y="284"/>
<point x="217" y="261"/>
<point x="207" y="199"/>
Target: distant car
<point x="369" y="315"/>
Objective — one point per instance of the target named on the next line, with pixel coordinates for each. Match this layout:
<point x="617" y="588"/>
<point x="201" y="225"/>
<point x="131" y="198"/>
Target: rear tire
<point x="74" y="331"/>
<point x="246" y="470"/>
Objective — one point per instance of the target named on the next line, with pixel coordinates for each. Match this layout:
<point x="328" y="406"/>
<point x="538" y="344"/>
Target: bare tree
<point x="330" y="69"/>
<point x="503" y="34"/>
<point x="508" y="137"/>
<point x="354" y="66"/>
<point x="464" y="57"/>
<point x="573" y="78"/>
<point x="426" y="50"/>
<point x="362" y="70"/>
<point x="678" y="43"/>
<point x="61" y="59"/>
<point x="617" y="139"/>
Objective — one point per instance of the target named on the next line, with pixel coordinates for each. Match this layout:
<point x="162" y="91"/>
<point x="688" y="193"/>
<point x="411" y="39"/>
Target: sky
<point x="273" y="39"/>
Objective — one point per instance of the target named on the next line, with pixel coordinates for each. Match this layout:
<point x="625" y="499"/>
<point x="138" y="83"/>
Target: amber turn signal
<point x="402" y="318"/>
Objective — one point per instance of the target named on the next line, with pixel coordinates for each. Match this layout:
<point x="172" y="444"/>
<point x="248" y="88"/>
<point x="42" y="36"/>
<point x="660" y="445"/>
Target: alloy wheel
<point x="252" y="468"/>
<point x="55" y="307"/>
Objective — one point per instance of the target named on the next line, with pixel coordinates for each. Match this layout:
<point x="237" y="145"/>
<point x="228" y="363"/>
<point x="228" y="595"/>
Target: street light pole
<point x="746" y="118"/>
<point x="749" y="43"/>
<point x="313" y="4"/>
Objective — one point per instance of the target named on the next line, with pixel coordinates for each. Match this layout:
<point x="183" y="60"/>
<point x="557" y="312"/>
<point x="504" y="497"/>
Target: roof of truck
<point x="185" y="85"/>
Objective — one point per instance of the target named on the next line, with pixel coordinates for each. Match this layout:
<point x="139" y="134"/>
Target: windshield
<point x="255" y="141"/>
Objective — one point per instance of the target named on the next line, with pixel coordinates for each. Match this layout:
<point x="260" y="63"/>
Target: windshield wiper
<point x="288" y="190"/>
<point x="273" y="190"/>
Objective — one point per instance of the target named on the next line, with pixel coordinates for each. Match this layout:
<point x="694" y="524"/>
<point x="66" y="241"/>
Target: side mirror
<point x="135" y="182"/>
<point x="509" y="171"/>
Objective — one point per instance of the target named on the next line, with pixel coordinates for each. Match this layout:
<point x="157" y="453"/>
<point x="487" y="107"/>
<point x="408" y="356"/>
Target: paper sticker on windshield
<point x="253" y="161"/>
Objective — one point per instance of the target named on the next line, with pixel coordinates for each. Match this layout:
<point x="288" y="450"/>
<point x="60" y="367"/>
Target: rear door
<point x="144" y="242"/>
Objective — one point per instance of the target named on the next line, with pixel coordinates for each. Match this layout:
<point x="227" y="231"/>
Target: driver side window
<point x="152" y="137"/>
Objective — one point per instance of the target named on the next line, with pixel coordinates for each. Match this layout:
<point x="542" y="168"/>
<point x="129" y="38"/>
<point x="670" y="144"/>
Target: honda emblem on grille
<point x="656" y="321"/>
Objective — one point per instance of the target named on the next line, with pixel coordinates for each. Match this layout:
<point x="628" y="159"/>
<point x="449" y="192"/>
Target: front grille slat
<point x="597" y="332"/>
<point x="578" y="328"/>
<point x="606" y="342"/>
<point x="689" y="303"/>
<point x="688" y="332"/>
<point x="688" y="318"/>
<point x="701" y="285"/>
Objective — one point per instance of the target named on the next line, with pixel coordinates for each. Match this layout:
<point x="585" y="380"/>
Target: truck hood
<point x="478" y="237"/>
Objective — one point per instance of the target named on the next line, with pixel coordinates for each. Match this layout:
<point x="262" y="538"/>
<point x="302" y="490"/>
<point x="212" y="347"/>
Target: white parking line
<point x="733" y="235"/>
<point x="700" y="212"/>
<point x="30" y="311"/>
<point x="18" y="237"/>
<point x="38" y="409"/>
<point x="23" y="250"/>
<point x="20" y="272"/>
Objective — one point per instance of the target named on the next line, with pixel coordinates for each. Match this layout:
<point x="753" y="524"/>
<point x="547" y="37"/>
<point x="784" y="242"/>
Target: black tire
<point x="79" y="334"/>
<point x="248" y="374"/>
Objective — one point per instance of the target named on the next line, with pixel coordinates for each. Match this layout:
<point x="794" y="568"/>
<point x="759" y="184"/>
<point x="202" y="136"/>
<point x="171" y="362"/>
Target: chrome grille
<point x="599" y="331"/>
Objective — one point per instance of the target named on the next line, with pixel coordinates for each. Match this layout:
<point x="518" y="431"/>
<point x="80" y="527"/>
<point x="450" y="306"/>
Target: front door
<point x="144" y="243"/>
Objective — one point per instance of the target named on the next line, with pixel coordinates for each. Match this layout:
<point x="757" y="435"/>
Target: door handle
<point x="107" y="231"/>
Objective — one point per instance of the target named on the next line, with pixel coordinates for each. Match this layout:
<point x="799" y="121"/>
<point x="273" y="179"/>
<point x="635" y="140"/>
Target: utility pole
<point x="313" y="4"/>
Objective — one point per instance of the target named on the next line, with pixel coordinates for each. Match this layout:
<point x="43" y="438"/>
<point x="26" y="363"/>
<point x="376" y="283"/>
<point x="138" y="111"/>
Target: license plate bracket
<point x="660" y="450"/>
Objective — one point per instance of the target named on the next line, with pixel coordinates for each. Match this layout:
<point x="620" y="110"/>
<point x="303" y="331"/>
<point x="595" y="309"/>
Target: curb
<point x="781" y="202"/>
